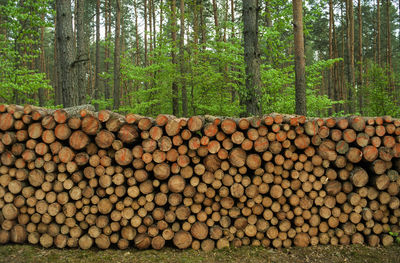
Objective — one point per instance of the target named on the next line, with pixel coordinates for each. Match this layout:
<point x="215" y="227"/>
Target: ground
<point x="318" y="254"/>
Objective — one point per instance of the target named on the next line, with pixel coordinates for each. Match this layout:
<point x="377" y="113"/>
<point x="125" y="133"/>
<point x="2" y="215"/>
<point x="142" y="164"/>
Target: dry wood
<point x="77" y="178"/>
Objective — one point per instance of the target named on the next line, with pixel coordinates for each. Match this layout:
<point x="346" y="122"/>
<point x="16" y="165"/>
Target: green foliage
<point x="396" y="236"/>
<point x="211" y="88"/>
<point x="19" y="50"/>
<point x="378" y="99"/>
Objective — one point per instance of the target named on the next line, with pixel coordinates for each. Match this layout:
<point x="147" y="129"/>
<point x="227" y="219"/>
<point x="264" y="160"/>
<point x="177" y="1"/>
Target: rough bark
<point x="300" y="83"/>
<point x="389" y="46"/>
<point x="268" y="20"/>
<point x="175" y="95"/>
<point x="66" y="54"/>
<point x="82" y="56"/>
<point x="117" y="58"/>
<point x="378" y="32"/>
<point x="41" y="93"/>
<point x="107" y="29"/>
<point x="350" y="48"/>
<point x="97" y="63"/>
<point x="360" y="59"/>
<point x="216" y="21"/>
<point x="182" y="59"/>
<point x="251" y="57"/>
<point x="145" y="33"/>
<point x="331" y="85"/>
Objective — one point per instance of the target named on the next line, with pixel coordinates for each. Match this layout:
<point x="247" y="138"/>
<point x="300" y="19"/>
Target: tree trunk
<point x="268" y="20"/>
<point x="233" y="18"/>
<point x="202" y="24"/>
<point x="195" y="25"/>
<point x="378" y="32"/>
<point x="107" y="24"/>
<point x="150" y="19"/>
<point x="342" y="71"/>
<point x="97" y="65"/>
<point x="154" y="23"/>
<point x="42" y="69"/>
<point x="360" y="60"/>
<point x="251" y="57"/>
<point x="389" y="46"/>
<point x="175" y="92"/>
<point x="336" y="68"/>
<point x="161" y="19"/>
<point x="117" y="55"/>
<point x="195" y="53"/>
<point x="216" y="23"/>
<point x="350" y="48"/>
<point x="66" y="54"/>
<point x="331" y="69"/>
<point x="137" y="53"/>
<point x="299" y="66"/>
<point x="82" y="53"/>
<point x="145" y="33"/>
<point x="225" y="19"/>
<point x="56" y="70"/>
<point x="182" y="59"/>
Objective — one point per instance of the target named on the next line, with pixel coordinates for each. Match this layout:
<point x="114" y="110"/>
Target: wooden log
<point x="370" y="153"/>
<point x="237" y="157"/>
<point x="182" y="239"/>
<point x="6" y="121"/>
<point x="123" y="156"/>
<point x="104" y="139"/>
<point x="91" y="125"/>
<point x="302" y="141"/>
<point x="228" y="126"/>
<point x="359" y="177"/>
<point x="115" y="123"/>
<point x="311" y="128"/>
<point x="173" y="127"/>
<point x="78" y="140"/>
<point x="128" y="133"/>
<point x="354" y="155"/>
<point x="195" y="123"/>
<point x="105" y="115"/>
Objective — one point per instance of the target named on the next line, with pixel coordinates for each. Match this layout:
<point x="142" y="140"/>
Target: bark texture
<point x="66" y="54"/>
<point x="300" y="63"/>
<point x="251" y="57"/>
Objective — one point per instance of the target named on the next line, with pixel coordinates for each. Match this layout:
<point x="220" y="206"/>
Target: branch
<point x="78" y="61"/>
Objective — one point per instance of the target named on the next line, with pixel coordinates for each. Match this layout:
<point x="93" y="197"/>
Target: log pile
<point x="79" y="178"/>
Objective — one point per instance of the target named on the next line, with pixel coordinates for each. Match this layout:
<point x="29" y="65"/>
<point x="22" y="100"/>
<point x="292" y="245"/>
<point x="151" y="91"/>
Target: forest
<point x="194" y="57"/>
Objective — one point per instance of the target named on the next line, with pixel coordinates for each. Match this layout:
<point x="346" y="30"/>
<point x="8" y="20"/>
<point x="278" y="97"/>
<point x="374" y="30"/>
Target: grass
<point x="318" y="254"/>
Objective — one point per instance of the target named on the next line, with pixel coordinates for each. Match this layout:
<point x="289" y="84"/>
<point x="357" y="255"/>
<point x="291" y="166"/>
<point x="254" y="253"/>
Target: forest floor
<point x="318" y="254"/>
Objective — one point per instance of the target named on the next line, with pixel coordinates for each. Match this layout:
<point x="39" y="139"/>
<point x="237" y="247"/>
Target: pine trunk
<point x="350" y="48"/>
<point x="175" y="91"/>
<point x="268" y="20"/>
<point x="331" y="69"/>
<point x="182" y="59"/>
<point x="389" y="47"/>
<point x="145" y="33"/>
<point x="117" y="55"/>
<point x="42" y="68"/>
<point x="97" y="65"/>
<point x="300" y="83"/>
<point x="251" y="57"/>
<point x="216" y="23"/>
<point x="107" y="29"/>
<point x="360" y="60"/>
<point x="66" y="54"/>
<point x="81" y="51"/>
<point x="378" y="32"/>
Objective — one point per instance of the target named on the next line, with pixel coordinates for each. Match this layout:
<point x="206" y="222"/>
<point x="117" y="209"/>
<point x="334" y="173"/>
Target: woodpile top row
<point x="79" y="178"/>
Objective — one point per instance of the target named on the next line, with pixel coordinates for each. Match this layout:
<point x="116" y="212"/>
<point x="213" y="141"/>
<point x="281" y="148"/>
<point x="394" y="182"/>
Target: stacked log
<point x="77" y="178"/>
